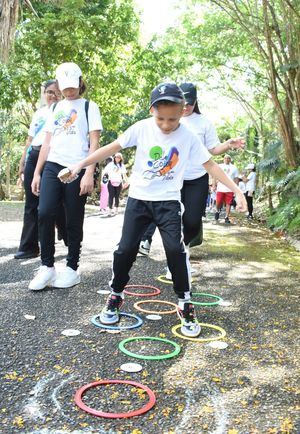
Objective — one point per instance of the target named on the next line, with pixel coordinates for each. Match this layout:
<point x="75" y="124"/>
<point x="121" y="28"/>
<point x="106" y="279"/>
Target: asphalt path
<point x="248" y="387"/>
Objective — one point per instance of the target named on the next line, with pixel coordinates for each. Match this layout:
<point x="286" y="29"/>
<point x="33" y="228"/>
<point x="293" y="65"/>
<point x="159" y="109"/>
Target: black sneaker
<point x="217" y="215"/>
<point x="227" y="221"/>
<point x="110" y="313"/>
<point x="189" y="325"/>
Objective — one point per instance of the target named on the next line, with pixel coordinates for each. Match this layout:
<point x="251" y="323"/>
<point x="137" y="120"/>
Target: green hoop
<point x="149" y="338"/>
<point x="210" y="303"/>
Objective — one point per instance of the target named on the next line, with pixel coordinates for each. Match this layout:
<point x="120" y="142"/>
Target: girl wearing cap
<point x="29" y="243"/>
<point x="72" y="132"/>
<point x="116" y="172"/>
<point x="250" y="181"/>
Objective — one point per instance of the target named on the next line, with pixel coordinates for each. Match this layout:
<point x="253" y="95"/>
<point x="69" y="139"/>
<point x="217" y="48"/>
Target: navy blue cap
<point x="167" y="92"/>
<point x="190" y="92"/>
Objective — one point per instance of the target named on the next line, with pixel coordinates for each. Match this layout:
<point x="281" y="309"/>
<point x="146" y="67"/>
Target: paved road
<point x="248" y="387"/>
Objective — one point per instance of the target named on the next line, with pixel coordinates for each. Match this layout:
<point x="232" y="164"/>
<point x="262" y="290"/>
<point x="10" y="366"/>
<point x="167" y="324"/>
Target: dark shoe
<point x="227" y="221"/>
<point x="26" y="255"/>
<point x="217" y="215"/>
<point x="110" y="313"/>
<point x="189" y="324"/>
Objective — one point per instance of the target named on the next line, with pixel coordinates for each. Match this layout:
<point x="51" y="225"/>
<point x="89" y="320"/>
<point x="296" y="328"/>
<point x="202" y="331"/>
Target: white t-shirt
<point x="207" y="134"/>
<point x="250" y="185"/>
<point x="115" y="172"/>
<point x="69" y="127"/>
<point x="231" y="171"/>
<point x="242" y="186"/>
<point x="37" y="126"/>
<point x="160" y="159"/>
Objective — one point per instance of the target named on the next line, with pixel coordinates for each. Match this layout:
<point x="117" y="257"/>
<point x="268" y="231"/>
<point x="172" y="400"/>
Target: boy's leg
<point x="137" y="217"/>
<point x="167" y="215"/>
<point x="146" y="241"/>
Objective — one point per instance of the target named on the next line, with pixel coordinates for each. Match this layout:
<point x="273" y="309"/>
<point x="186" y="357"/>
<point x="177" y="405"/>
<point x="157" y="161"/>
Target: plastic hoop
<point x="163" y="279"/>
<point x="222" y="331"/>
<point x="149" y="294"/>
<point x="158" y="312"/>
<point x="80" y="392"/>
<point x="210" y="303"/>
<point x="149" y="338"/>
<point x="111" y="327"/>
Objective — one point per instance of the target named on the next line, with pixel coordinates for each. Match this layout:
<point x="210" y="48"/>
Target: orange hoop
<point x="159" y="312"/>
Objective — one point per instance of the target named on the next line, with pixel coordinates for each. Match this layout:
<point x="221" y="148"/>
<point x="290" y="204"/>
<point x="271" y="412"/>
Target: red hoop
<point x="80" y="392"/>
<point x="138" y="294"/>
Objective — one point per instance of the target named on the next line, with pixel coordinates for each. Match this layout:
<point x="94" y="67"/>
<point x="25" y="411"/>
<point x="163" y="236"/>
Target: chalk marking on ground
<point x="56" y="390"/>
<point x="32" y="409"/>
<point x="221" y="413"/>
<point x="187" y="412"/>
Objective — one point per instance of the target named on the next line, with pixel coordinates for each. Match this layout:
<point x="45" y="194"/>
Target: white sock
<point x="120" y="294"/>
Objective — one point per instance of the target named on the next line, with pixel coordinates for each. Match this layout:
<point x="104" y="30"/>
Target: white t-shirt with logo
<point x="37" y="126"/>
<point x="207" y="134"/>
<point x="250" y="185"/>
<point x="69" y="127"/>
<point x="231" y="171"/>
<point x="115" y="172"/>
<point x="160" y="159"/>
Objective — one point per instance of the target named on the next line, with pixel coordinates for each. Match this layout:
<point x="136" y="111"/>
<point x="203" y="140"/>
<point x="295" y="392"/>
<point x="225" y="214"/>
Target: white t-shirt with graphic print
<point x="37" y="126"/>
<point x="160" y="159"/>
<point x="232" y="173"/>
<point x="115" y="172"/>
<point x="204" y="129"/>
<point x="69" y="127"/>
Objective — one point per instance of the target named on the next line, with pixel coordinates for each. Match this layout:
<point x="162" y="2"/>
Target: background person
<point x="72" y="132"/>
<point x="116" y="172"/>
<point x="225" y="194"/>
<point x="29" y="243"/>
<point x="250" y="181"/>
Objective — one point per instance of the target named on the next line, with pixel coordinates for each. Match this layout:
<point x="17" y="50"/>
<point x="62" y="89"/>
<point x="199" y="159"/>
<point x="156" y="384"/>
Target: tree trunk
<point x="8" y="21"/>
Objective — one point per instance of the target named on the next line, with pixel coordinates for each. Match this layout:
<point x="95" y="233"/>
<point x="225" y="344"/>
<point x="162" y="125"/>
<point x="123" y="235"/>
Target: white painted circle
<point x="153" y="317"/>
<point x="26" y="316"/>
<point x="113" y="332"/>
<point x="219" y="345"/>
<point x="225" y="303"/>
<point x="70" y="332"/>
<point x="131" y="367"/>
<point x="103" y="291"/>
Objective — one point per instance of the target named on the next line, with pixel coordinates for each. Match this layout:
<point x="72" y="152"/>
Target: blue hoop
<point x="114" y="327"/>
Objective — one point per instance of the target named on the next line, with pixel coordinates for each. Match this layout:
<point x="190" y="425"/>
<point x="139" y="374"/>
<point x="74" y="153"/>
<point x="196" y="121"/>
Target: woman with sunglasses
<point x="29" y="246"/>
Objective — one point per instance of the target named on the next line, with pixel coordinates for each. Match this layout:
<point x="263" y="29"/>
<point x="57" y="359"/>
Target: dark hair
<point x="166" y="102"/>
<point x="82" y="86"/>
<point x="196" y="109"/>
<point x="48" y="83"/>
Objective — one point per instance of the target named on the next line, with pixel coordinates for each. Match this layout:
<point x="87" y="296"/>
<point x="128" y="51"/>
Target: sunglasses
<point x="52" y="92"/>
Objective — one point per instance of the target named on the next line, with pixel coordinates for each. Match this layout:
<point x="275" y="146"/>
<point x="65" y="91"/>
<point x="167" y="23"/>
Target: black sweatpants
<point x="30" y="238"/>
<point x="52" y="193"/>
<point x="194" y="197"/>
<point x="167" y="215"/>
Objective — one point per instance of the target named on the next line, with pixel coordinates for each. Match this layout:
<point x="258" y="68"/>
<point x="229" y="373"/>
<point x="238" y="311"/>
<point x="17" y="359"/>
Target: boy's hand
<point x="241" y="203"/>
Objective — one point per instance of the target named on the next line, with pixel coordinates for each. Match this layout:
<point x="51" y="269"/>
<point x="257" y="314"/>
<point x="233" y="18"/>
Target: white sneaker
<point x="168" y="275"/>
<point x="67" y="278"/>
<point x="44" y="277"/>
<point x="144" y="248"/>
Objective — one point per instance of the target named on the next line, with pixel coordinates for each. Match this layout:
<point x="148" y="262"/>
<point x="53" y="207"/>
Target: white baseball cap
<point x="250" y="166"/>
<point x="67" y="75"/>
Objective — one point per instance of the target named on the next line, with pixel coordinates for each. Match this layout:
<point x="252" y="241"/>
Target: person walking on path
<point x="250" y="181"/>
<point x="116" y="172"/>
<point x="225" y="194"/>
<point x="29" y="243"/>
<point x="164" y="147"/>
<point x="67" y="130"/>
<point x="196" y="181"/>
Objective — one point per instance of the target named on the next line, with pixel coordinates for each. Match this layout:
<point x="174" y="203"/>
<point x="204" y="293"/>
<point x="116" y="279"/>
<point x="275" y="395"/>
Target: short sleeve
<point x="95" y="122"/>
<point x="129" y="137"/>
<point x="211" y="139"/>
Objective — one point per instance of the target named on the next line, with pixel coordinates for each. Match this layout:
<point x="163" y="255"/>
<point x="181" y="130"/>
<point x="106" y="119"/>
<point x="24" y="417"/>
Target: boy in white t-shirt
<point x="163" y="149"/>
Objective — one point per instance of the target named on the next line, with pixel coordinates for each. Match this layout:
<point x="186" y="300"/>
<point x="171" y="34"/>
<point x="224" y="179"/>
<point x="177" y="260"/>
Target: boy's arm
<point x="35" y="185"/>
<point x="97" y="156"/>
<point x="216" y="172"/>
